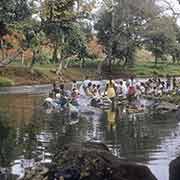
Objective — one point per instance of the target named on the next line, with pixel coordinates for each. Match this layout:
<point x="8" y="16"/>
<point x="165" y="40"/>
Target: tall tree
<point x="121" y="26"/>
<point x="160" y="37"/>
<point x="57" y="17"/>
<point x="60" y="19"/>
<point x="11" y="12"/>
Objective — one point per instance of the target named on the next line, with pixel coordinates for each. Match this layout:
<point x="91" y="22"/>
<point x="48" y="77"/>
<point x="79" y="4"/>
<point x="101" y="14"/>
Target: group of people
<point x="127" y="89"/>
<point x="60" y="96"/>
<point x="89" y="89"/>
<point x="135" y="88"/>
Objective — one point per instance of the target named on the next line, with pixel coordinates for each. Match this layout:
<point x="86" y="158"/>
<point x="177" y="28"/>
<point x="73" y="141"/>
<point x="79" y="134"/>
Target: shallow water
<point x="28" y="134"/>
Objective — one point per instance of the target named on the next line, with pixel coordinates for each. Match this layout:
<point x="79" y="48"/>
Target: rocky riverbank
<point x="89" y="161"/>
<point x="170" y="98"/>
<point x="165" y="103"/>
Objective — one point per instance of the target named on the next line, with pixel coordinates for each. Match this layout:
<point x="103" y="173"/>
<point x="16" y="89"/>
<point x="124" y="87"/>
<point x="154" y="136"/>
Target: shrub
<point x="6" y="82"/>
<point x="44" y="58"/>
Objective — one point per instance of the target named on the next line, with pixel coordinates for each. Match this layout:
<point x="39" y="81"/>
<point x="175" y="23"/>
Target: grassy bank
<point x="45" y="73"/>
<point x="148" y="69"/>
<point x="6" y="82"/>
<point x="41" y="74"/>
<point x="145" y="70"/>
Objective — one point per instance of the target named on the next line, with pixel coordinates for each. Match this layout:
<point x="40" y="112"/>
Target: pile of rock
<point x="89" y="161"/>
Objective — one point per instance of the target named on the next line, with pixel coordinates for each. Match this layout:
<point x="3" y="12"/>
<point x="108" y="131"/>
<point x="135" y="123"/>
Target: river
<point x="28" y="134"/>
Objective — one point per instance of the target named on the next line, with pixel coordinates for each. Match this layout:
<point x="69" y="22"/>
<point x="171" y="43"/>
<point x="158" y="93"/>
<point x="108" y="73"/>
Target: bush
<point x="44" y="58"/>
<point x="6" y="82"/>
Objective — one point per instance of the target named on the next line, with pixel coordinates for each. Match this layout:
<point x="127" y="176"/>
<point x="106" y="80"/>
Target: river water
<point x="29" y="134"/>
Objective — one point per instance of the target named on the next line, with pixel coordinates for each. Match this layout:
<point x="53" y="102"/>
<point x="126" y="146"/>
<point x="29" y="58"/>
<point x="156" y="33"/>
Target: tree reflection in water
<point x="7" y="141"/>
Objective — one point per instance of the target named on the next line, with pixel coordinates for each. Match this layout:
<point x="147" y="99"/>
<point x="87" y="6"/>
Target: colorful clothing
<point x="111" y="92"/>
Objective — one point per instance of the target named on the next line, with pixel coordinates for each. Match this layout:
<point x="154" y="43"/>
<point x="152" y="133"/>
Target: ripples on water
<point x="28" y="135"/>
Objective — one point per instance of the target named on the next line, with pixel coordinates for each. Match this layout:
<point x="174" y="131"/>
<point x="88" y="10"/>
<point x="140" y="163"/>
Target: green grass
<point x="149" y="69"/>
<point x="6" y="82"/>
<point x="140" y="69"/>
<point x="71" y="73"/>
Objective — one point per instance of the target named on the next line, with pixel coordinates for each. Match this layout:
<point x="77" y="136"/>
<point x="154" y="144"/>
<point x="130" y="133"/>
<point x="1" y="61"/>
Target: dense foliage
<point x="125" y="26"/>
<point x="14" y="10"/>
<point x="66" y="28"/>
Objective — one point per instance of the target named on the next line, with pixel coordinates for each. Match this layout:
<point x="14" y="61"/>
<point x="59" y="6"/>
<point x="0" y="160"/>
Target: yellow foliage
<point x="95" y="48"/>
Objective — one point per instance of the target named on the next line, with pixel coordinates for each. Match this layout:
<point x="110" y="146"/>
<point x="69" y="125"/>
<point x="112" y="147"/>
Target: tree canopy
<point x="124" y="26"/>
<point x="120" y="26"/>
<point x="14" y="10"/>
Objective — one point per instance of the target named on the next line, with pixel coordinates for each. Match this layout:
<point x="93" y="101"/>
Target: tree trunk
<point x="82" y="63"/>
<point x="55" y="52"/>
<point x="33" y="59"/>
<point x="111" y="43"/>
<point x="66" y="64"/>
<point x="2" y="54"/>
<point x="125" y="62"/>
<point x="22" y="58"/>
<point x="7" y="61"/>
<point x="156" y="60"/>
<point x="109" y="58"/>
<point x="60" y="68"/>
<point x="99" y="70"/>
<point x="61" y="62"/>
<point x="110" y="64"/>
<point x="174" y="59"/>
<point x="2" y="49"/>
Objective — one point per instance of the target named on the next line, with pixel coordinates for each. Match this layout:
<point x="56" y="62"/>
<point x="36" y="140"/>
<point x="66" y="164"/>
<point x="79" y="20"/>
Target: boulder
<point x="5" y="174"/>
<point x="164" y="107"/>
<point x="93" y="161"/>
<point x="174" y="169"/>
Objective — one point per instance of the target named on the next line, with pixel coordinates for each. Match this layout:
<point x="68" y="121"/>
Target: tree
<point x="175" y="48"/>
<point x="30" y="36"/>
<point x="174" y="51"/>
<point x="121" y="26"/>
<point x="11" y="12"/>
<point x="75" y="44"/>
<point x="60" y="19"/>
<point x="56" y="16"/>
<point x="160" y="37"/>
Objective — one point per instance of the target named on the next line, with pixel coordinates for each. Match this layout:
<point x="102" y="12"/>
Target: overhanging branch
<point x="8" y="60"/>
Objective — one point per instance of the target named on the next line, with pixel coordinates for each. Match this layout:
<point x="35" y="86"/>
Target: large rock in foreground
<point x="174" y="169"/>
<point x="93" y="161"/>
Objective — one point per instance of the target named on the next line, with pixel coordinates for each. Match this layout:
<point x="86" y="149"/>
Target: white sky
<point x="174" y="4"/>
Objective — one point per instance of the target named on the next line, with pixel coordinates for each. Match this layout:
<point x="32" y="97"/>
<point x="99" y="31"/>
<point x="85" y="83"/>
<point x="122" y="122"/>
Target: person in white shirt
<point x="142" y="88"/>
<point x="132" y="81"/>
<point x="86" y="81"/>
<point x="124" y="89"/>
<point x="119" y="88"/>
<point x="138" y="92"/>
<point x="84" y="85"/>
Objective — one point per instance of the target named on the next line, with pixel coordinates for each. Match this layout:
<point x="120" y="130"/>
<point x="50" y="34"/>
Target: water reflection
<point x="28" y="134"/>
<point x="7" y="141"/>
